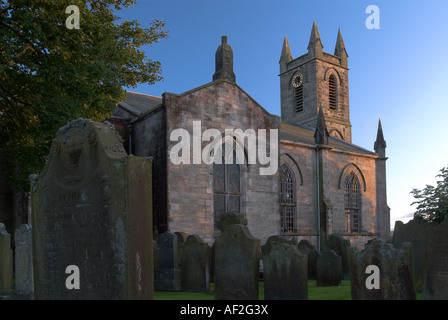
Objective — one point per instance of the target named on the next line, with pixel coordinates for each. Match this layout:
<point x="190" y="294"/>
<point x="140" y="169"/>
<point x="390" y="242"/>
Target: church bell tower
<point x="316" y="80"/>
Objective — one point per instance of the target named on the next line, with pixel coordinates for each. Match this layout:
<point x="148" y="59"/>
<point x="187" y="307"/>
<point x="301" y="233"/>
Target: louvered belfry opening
<point x="332" y="92"/>
<point x="299" y="98"/>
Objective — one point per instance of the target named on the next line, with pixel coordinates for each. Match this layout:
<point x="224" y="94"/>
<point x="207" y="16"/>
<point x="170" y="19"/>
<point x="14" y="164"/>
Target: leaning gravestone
<point x="435" y="285"/>
<point x="328" y="269"/>
<point x="382" y="272"/>
<point x="195" y="265"/>
<point x="236" y="263"/>
<point x="92" y="218"/>
<point x="168" y="276"/>
<point x="415" y="231"/>
<point x="5" y="261"/>
<point x="285" y="271"/>
<point x="24" y="261"/>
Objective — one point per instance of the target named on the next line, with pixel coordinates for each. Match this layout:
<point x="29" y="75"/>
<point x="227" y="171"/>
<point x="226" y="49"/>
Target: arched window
<point x="333" y="92"/>
<point x="352" y="201"/>
<point x="287" y="200"/>
<point x="226" y="185"/>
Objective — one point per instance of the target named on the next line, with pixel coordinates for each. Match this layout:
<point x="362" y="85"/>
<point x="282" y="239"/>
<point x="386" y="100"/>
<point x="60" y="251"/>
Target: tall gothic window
<point x="287" y="200"/>
<point x="226" y="186"/>
<point x="352" y="200"/>
<point x="333" y="91"/>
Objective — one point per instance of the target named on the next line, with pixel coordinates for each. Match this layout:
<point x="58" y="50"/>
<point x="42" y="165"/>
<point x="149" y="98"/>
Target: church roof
<point x="305" y="135"/>
<point x="136" y="105"/>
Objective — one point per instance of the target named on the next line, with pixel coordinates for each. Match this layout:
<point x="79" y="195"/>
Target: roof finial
<point x="224" y="62"/>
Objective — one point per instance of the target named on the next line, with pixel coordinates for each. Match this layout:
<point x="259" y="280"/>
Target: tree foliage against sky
<point x="50" y="74"/>
<point x="432" y="201"/>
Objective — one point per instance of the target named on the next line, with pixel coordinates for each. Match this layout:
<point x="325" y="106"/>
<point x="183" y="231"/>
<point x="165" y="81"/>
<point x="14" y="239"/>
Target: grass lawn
<point x="341" y="292"/>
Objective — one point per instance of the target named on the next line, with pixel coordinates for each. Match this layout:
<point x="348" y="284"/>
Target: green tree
<point x="432" y="202"/>
<point x="50" y="74"/>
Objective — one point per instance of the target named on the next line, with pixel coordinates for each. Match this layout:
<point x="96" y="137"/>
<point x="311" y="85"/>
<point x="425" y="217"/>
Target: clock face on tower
<point x="297" y="80"/>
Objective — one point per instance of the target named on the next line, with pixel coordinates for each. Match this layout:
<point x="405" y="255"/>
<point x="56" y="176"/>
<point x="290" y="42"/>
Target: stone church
<point x="323" y="183"/>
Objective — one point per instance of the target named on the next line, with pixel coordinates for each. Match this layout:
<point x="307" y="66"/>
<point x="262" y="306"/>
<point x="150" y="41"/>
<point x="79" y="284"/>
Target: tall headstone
<point x="306" y="248"/>
<point x="340" y="245"/>
<point x="435" y="285"/>
<point x="5" y="261"/>
<point x="195" y="265"/>
<point x="24" y="261"/>
<point x="92" y="218"/>
<point x="382" y="272"/>
<point x="328" y="269"/>
<point x="236" y="263"/>
<point x="312" y="263"/>
<point x="416" y="231"/>
<point x="168" y="276"/>
<point x="285" y="271"/>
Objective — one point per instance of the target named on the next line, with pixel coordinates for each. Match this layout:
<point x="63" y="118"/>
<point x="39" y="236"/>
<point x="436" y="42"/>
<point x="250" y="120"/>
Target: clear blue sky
<point x="397" y="73"/>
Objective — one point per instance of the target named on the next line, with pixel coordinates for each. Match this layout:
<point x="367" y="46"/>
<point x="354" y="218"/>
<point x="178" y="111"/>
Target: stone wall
<point x="220" y="105"/>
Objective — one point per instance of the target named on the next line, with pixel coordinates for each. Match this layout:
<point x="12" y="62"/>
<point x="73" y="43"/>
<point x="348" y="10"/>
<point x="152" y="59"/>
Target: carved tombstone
<point x="5" y="261"/>
<point x="92" y="208"/>
<point x="328" y="269"/>
<point x="24" y="260"/>
<point x="340" y="245"/>
<point x="435" y="285"/>
<point x="168" y="276"/>
<point x="415" y="231"/>
<point x="285" y="271"/>
<point x="382" y="272"/>
<point x="195" y="265"/>
<point x="236" y="264"/>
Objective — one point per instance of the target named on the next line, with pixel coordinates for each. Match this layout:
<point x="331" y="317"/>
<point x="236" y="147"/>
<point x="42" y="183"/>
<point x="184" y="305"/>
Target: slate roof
<point x="305" y="135"/>
<point x="136" y="105"/>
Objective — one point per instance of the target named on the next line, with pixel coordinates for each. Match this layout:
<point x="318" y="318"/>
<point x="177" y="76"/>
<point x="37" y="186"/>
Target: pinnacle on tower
<point x="340" y="50"/>
<point x="286" y="51"/>
<point x="285" y="57"/>
<point x="315" y="47"/>
<point x="380" y="143"/>
<point x="321" y="134"/>
<point x="224" y="62"/>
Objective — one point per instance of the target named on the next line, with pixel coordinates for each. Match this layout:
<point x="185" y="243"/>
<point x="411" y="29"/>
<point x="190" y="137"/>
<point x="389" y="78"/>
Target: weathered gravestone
<point x="168" y="276"/>
<point x="227" y="219"/>
<point x="415" y="231"/>
<point x="24" y="261"/>
<point x="92" y="208"/>
<point x="306" y="248"/>
<point x="195" y="265"/>
<point x="5" y="261"/>
<point x="340" y="245"/>
<point x="285" y="270"/>
<point x="435" y="285"/>
<point x="236" y="264"/>
<point x="155" y="256"/>
<point x="382" y="272"/>
<point x="312" y="264"/>
<point x="328" y="269"/>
